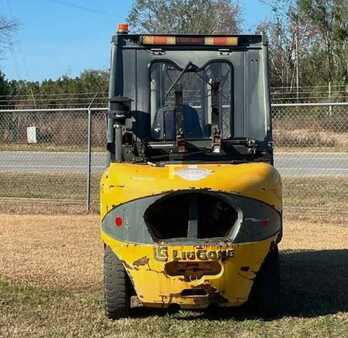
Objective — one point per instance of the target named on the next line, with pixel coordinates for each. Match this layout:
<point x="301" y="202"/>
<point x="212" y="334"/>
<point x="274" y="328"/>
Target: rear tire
<point x="265" y="294"/>
<point x="117" y="287"/>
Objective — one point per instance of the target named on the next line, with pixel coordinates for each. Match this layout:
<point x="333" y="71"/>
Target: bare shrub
<point x="301" y="138"/>
<point x="337" y="123"/>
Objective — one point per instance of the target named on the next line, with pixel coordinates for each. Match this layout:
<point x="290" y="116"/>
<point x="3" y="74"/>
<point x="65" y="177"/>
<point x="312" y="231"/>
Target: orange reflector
<point x="221" y="41"/>
<point x="159" y="40"/>
<point x="122" y="28"/>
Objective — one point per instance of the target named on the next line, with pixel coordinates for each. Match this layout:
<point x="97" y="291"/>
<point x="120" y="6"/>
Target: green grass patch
<point x="323" y="193"/>
<point x="314" y="304"/>
<point x="53" y="186"/>
<point x="320" y="193"/>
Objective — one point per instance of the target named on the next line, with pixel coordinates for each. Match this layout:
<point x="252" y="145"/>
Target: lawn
<point x="51" y="285"/>
<point x="66" y="192"/>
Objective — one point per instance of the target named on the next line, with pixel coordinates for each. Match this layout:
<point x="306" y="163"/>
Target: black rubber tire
<point x="265" y="294"/>
<point x="117" y="287"/>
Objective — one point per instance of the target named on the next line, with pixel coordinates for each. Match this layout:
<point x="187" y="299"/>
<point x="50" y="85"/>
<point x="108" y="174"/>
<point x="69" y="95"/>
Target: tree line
<point x="308" y="41"/>
<point x="66" y="91"/>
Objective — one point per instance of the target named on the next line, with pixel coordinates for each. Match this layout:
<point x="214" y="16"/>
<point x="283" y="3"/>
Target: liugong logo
<point x="163" y="254"/>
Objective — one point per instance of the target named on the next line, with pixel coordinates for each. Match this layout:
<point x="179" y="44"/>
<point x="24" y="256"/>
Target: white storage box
<point x="32" y="134"/>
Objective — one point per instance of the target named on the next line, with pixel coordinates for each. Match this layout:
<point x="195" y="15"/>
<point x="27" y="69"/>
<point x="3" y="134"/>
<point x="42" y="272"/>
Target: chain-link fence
<point x="311" y="153"/>
<point x="332" y="92"/>
<point x="52" y="159"/>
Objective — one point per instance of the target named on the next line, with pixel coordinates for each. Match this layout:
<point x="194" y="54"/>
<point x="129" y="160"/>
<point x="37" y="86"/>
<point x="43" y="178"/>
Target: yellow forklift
<point x="191" y="205"/>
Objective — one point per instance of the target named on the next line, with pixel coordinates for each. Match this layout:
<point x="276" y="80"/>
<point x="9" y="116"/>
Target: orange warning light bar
<point x="221" y="41"/>
<point x="190" y="40"/>
<point x="159" y="40"/>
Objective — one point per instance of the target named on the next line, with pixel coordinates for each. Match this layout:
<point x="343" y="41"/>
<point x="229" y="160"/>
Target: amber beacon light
<point x="122" y="28"/>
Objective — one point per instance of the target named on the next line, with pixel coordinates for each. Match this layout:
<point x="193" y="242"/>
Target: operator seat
<point x="164" y="125"/>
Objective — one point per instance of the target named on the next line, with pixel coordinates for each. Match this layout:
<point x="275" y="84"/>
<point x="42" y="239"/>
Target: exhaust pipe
<point x="119" y="112"/>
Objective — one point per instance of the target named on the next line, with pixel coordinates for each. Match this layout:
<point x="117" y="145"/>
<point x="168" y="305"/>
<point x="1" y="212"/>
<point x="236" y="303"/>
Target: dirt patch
<point x="306" y="235"/>
<point x="66" y="252"/>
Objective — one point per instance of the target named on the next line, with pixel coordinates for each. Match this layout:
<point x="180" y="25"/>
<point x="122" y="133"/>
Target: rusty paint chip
<point x="141" y="261"/>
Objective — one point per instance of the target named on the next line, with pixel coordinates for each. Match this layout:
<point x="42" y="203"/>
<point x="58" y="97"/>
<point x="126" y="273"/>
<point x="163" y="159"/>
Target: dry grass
<point x="65" y="252"/>
<point x="50" y="285"/>
<point x="287" y="149"/>
<point x="316" y="140"/>
<point x="49" y="147"/>
<point x="311" y="128"/>
<point x="65" y="193"/>
<point x="53" y="186"/>
<point x="318" y="194"/>
<point x="305" y="139"/>
<point x="51" y="251"/>
<point x="40" y="206"/>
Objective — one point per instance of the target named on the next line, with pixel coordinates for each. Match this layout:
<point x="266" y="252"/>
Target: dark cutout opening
<point x="190" y="215"/>
<point x="192" y="270"/>
<point x="193" y="292"/>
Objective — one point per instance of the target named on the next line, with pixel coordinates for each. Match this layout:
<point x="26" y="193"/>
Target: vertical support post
<point x="192" y="226"/>
<point x="153" y="101"/>
<point x="179" y="114"/>
<point x="330" y="107"/>
<point x="89" y="159"/>
<point x="210" y="102"/>
<point x="118" y="142"/>
<point x="297" y="63"/>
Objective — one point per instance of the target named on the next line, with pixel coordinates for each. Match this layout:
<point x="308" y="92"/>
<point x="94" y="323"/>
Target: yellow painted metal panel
<point x="154" y="287"/>
<point x="146" y="264"/>
<point x="123" y="182"/>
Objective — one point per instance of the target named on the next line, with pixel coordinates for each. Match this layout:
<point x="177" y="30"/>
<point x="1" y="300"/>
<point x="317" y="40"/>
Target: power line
<point x="79" y="7"/>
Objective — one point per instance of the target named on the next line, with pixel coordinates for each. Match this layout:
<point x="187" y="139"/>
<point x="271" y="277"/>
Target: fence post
<point x="89" y="155"/>
<point x="89" y="159"/>
<point x="330" y="107"/>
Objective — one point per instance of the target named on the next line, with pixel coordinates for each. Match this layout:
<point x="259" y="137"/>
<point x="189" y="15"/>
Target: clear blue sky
<point x="57" y="37"/>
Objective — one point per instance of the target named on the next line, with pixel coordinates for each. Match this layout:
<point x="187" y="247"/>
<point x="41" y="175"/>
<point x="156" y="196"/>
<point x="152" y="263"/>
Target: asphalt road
<point x="289" y="164"/>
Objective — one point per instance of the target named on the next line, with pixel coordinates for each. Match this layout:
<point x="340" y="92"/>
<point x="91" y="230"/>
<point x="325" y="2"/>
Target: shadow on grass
<point x="313" y="283"/>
